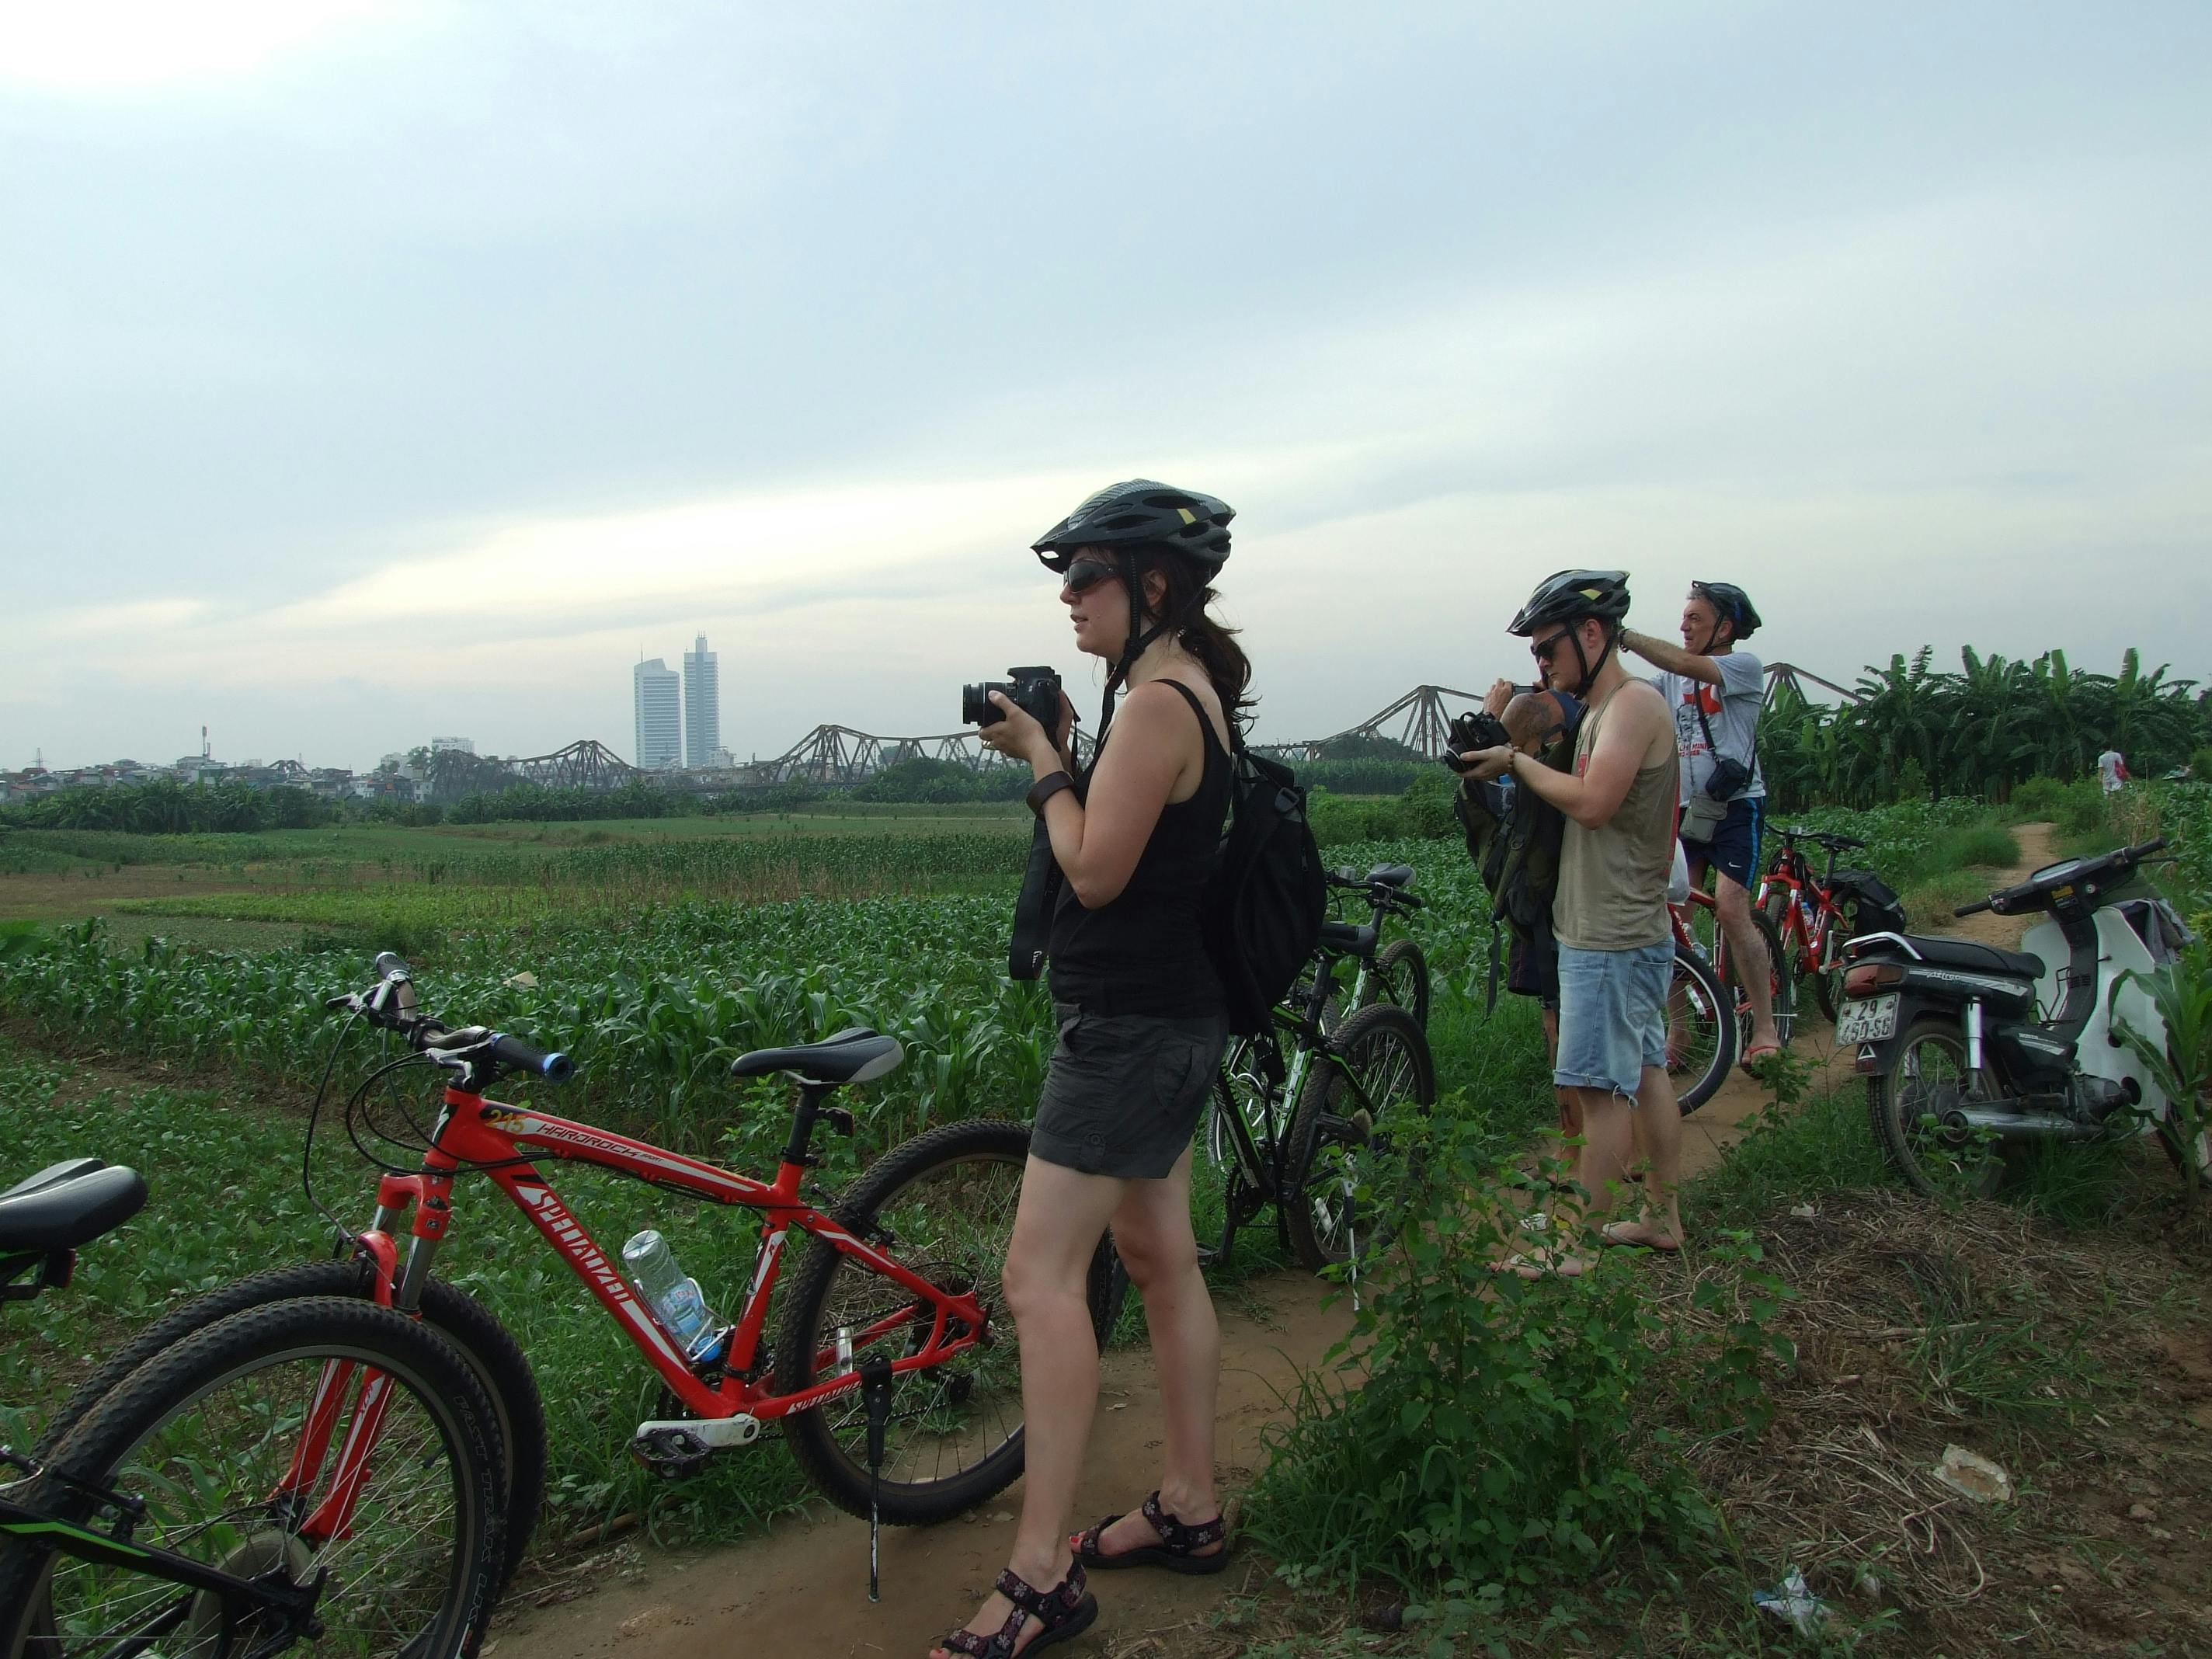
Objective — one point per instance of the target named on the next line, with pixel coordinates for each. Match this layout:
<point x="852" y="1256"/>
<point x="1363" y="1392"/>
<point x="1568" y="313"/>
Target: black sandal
<point x="1177" y="1550"/>
<point x="1063" y="1612"/>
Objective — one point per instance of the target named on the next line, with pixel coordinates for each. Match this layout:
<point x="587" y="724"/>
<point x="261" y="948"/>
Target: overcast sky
<point x="373" y="371"/>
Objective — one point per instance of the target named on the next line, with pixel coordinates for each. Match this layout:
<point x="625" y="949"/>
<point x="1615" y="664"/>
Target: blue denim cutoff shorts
<point x="1613" y="1016"/>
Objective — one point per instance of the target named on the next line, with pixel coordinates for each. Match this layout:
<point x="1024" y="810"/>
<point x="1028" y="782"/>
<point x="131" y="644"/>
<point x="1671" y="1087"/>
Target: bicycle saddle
<point x="857" y="1055"/>
<point x="66" y="1204"/>
<point x="1390" y="875"/>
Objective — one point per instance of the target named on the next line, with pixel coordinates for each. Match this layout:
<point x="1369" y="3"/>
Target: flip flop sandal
<point x="1063" y="1614"/>
<point x="1177" y="1550"/>
<point x="1611" y="1238"/>
<point x="1752" y="1056"/>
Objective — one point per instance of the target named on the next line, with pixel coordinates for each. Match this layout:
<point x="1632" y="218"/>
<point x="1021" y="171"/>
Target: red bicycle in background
<point x="1812" y="916"/>
<point x="1697" y="927"/>
<point x="894" y="1370"/>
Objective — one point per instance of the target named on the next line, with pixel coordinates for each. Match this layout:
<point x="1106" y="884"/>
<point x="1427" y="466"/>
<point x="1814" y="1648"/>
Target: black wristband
<point x="1045" y="788"/>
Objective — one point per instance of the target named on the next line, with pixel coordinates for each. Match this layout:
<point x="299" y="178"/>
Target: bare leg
<point x="1751" y="967"/>
<point x="1057" y="1225"/>
<point x="1659" y="1130"/>
<point x="1151" y="1230"/>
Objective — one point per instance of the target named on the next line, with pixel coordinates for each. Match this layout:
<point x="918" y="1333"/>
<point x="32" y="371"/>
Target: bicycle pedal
<point x="676" y="1449"/>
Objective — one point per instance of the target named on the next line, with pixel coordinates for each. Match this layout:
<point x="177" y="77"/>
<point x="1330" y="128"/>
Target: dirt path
<point x="810" y="1575"/>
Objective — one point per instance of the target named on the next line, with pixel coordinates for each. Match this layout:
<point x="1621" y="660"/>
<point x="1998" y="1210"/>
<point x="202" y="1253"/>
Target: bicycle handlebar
<point x="391" y="1005"/>
<point x="514" y="1052"/>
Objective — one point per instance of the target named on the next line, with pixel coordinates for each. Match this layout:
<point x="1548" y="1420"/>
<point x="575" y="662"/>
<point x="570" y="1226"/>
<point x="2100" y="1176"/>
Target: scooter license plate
<point x="1874" y="1020"/>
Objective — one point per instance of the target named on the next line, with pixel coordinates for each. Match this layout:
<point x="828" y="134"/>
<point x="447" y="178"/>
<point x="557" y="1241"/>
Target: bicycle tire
<point x="1703" y="987"/>
<point x="1321" y="1186"/>
<point x="1912" y="1151"/>
<point x="471" y="1328"/>
<point x="838" y="1470"/>
<point x="1402" y="975"/>
<point x="432" y="1379"/>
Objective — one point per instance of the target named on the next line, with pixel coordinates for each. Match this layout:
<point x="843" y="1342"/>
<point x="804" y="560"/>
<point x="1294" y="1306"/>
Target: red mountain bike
<point x="894" y="1370"/>
<point x="1697" y="928"/>
<point x="1813" y="916"/>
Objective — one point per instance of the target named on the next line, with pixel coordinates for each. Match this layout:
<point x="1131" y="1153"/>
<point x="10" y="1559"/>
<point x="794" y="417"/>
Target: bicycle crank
<point x="676" y="1449"/>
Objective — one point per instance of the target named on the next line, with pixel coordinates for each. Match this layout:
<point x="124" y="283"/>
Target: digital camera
<point x="1477" y="728"/>
<point x="1035" y="691"/>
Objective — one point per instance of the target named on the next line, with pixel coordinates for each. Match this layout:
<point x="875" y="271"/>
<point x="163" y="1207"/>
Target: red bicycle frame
<point x="472" y="1131"/>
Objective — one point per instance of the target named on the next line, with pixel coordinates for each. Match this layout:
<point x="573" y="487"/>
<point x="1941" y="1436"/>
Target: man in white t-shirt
<point x="2112" y="770"/>
<point x="1715" y="692"/>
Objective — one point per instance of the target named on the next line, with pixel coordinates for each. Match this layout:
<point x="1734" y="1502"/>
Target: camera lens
<point x="976" y="707"/>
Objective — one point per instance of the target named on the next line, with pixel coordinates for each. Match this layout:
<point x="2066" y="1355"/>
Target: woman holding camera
<point x="1141" y="1031"/>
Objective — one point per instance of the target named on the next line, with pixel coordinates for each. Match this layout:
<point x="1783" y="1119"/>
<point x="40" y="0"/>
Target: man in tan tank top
<point x="1609" y="915"/>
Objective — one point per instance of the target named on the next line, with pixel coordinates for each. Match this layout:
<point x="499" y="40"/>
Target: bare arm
<point x="1633" y="727"/>
<point x="1670" y="658"/>
<point x="1097" y="843"/>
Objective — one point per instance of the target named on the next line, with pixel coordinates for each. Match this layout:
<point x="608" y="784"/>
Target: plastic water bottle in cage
<point x="674" y="1296"/>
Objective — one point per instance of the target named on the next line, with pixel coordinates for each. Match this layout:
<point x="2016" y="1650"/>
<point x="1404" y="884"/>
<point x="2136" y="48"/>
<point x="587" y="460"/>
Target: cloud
<point x="109" y="45"/>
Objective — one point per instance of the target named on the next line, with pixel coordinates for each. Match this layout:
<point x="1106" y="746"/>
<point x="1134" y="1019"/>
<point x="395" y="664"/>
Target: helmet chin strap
<point x="1140" y="639"/>
<point x="1582" y="661"/>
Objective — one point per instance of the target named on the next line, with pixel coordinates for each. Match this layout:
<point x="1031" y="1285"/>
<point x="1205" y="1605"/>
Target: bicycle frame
<point x="471" y="1130"/>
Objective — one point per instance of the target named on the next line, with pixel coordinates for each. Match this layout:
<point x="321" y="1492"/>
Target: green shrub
<point x="1501" y="1436"/>
<point x="2039" y="798"/>
<point x="2200" y="764"/>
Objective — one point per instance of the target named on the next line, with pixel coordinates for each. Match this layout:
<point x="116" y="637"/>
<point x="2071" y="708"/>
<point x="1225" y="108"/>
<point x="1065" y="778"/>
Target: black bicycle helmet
<point x="1143" y="512"/>
<point x="1732" y="604"/>
<point x="1570" y="596"/>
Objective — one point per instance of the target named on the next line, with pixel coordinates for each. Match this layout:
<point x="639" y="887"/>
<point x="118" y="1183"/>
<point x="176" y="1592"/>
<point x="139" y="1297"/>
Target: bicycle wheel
<point x="234" y="1438"/>
<point x="1341" y="1142"/>
<point x="471" y="1328"/>
<point x="944" y="1204"/>
<point x="1701" y="1030"/>
<point x="1401" y="976"/>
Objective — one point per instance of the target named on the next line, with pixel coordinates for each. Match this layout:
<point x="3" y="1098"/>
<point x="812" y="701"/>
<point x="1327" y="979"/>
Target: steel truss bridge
<point x="834" y="755"/>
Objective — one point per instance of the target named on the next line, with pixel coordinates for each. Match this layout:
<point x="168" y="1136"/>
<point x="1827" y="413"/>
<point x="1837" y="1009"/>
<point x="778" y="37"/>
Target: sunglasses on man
<point x="1544" y="650"/>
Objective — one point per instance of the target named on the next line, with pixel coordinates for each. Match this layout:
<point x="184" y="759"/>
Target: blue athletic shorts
<point x="1613" y="1016"/>
<point x="1734" y="849"/>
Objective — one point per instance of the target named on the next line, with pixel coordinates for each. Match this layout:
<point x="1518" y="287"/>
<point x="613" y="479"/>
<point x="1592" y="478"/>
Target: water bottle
<point x="675" y="1298"/>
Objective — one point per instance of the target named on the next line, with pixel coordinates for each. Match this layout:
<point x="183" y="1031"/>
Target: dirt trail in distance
<point x="802" y="1587"/>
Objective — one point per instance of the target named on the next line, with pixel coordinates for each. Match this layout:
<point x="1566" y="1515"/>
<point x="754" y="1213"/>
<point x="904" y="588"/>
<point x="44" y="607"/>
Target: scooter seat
<point x="1977" y="958"/>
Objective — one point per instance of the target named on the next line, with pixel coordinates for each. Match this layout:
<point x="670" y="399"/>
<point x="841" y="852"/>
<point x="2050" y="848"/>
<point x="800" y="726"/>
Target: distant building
<point x="465" y="745"/>
<point x="703" y="706"/>
<point x="660" y="718"/>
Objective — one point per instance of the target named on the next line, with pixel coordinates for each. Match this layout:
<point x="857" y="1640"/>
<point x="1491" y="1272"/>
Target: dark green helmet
<point x="1568" y="596"/>
<point x="1731" y="603"/>
<point x="1143" y="512"/>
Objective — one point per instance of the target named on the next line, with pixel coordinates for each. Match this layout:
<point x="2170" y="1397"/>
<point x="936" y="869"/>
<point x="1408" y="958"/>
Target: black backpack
<point x="1265" y="905"/>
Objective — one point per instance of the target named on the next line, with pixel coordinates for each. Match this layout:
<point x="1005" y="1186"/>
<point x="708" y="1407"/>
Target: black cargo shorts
<point x="1123" y="1092"/>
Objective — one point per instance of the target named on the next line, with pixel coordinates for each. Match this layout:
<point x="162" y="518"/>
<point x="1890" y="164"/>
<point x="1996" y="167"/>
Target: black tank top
<point x="1142" y="953"/>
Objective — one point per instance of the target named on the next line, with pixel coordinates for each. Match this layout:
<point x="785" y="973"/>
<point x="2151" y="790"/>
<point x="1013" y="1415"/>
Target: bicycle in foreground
<point x="1697" y="927"/>
<point x="322" y="1470"/>
<point x="894" y="1372"/>
<point x="1304" y="1113"/>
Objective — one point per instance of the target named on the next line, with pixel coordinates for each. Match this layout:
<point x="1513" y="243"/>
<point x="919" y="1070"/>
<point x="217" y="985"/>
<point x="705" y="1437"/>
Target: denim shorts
<point x="1123" y="1092"/>
<point x="1613" y="1016"/>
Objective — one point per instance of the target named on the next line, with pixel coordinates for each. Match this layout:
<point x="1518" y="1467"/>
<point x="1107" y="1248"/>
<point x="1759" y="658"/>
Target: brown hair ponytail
<point x="1214" y="645"/>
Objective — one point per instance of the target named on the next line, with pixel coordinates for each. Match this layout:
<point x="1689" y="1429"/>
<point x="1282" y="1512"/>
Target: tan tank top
<point x="1613" y="880"/>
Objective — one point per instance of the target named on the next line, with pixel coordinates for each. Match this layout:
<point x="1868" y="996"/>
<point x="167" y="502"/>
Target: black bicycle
<point x="218" y="1503"/>
<point x="1394" y="972"/>
<point x="1304" y="1113"/>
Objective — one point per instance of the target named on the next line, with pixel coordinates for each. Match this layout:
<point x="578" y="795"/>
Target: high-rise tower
<point x="703" y="706"/>
<point x="659" y="735"/>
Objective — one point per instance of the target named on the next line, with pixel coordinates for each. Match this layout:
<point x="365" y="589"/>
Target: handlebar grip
<point x="1973" y="909"/>
<point x="527" y="1057"/>
<point x="2156" y="844"/>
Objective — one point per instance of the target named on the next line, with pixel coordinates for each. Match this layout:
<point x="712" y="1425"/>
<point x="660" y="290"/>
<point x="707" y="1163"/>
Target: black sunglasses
<point x="1545" y="650"/>
<point x="1083" y="574"/>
